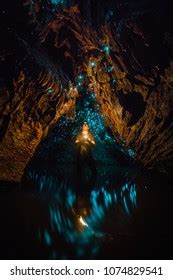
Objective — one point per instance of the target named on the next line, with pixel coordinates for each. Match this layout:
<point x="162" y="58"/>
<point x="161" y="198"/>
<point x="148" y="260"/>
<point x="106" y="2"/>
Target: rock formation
<point x="127" y="64"/>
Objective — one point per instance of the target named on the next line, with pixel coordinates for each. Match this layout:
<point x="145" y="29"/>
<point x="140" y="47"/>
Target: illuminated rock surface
<point x="125" y="62"/>
<point x="107" y="63"/>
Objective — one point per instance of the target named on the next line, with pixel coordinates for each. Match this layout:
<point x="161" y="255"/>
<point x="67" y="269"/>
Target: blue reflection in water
<point x="47" y="237"/>
<point x="125" y="205"/>
<point x="128" y="192"/>
<point x="79" y="229"/>
<point x="133" y="195"/>
<point x="100" y="201"/>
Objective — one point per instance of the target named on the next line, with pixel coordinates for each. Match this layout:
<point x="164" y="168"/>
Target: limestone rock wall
<point x="26" y="119"/>
<point x="124" y="53"/>
<point x="135" y="94"/>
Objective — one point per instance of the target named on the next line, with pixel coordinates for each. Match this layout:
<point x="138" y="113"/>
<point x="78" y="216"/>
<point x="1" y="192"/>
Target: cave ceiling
<point x="123" y="50"/>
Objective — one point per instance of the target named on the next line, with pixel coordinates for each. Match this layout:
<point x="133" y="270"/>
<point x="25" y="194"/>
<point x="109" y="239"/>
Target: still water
<point x="119" y="213"/>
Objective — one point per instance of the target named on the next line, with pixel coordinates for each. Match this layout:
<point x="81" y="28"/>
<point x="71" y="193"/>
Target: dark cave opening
<point x="133" y="103"/>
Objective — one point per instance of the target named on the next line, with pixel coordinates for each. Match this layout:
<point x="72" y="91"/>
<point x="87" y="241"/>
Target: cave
<point x="86" y="146"/>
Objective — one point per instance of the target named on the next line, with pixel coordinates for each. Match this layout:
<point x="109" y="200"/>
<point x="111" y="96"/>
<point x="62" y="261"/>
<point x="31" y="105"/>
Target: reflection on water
<point x="59" y="213"/>
<point x="120" y="214"/>
<point x="83" y="218"/>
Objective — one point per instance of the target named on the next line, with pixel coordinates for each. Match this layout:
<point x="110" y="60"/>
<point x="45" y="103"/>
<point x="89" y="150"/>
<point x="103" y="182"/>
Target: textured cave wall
<point x="31" y="91"/>
<point x="42" y="44"/>
<point x="132" y="79"/>
<point x="139" y="113"/>
<point x="26" y="119"/>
